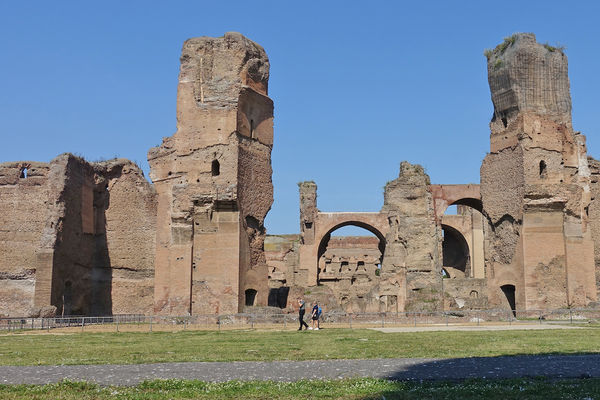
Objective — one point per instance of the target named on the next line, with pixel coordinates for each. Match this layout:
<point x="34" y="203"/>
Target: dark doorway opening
<point x="250" y="297"/>
<point x="278" y="297"/>
<point x="509" y="292"/>
<point x="455" y="252"/>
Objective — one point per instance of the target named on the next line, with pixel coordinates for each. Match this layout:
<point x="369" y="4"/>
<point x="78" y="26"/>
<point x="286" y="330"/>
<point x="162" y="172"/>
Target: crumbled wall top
<point x="528" y="76"/>
<point x="218" y="73"/>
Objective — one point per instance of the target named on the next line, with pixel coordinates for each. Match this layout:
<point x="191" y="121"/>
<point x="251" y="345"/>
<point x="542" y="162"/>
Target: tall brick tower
<point x="213" y="181"/>
<point x="535" y="183"/>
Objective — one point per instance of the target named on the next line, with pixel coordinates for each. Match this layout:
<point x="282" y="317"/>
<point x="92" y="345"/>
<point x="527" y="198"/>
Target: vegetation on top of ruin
<point x="501" y="48"/>
<point x="509" y="41"/>
<point x="338" y="389"/>
<point x="552" y="49"/>
<point x="104" y="159"/>
<point x="302" y="183"/>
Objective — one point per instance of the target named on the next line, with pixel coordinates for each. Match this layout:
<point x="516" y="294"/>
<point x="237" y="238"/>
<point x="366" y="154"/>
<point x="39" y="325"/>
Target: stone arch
<point x="447" y="195"/>
<point x="324" y="239"/>
<point x="317" y="238"/>
<point x="469" y="202"/>
<point x="469" y="223"/>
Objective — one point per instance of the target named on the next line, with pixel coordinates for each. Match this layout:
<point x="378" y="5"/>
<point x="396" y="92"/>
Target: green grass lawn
<point x="133" y="348"/>
<point x="351" y="389"/>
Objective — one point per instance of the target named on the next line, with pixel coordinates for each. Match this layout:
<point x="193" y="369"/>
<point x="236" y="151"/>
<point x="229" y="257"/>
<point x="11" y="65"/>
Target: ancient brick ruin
<point x="96" y="238"/>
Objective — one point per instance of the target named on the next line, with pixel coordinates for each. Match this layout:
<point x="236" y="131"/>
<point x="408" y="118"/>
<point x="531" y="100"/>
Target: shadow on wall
<point x="82" y="274"/>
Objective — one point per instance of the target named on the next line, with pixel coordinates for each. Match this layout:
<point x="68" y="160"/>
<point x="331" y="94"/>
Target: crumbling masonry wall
<point x="397" y="269"/>
<point x="412" y="262"/>
<point x="213" y="179"/>
<point x="23" y="204"/>
<point x="535" y="183"/>
<point x="64" y="221"/>
<point x="100" y="210"/>
<point x="594" y="213"/>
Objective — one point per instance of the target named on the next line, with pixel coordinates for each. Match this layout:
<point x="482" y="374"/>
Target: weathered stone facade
<point x="81" y="238"/>
<point x="93" y="238"/>
<point x="535" y="183"/>
<point x="213" y="180"/>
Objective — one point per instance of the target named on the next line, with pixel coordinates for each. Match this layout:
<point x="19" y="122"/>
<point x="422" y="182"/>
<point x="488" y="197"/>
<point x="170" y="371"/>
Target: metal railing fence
<point x="138" y="322"/>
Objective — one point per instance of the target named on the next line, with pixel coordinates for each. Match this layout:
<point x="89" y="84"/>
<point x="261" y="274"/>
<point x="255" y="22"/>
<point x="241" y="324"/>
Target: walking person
<point x="301" y="312"/>
<point x="316" y="314"/>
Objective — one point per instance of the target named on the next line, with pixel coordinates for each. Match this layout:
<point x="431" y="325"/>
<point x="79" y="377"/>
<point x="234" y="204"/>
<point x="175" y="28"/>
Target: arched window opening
<point x="252" y="128"/>
<point x="215" y="168"/>
<point x="250" y="297"/>
<point x="543" y="171"/>
<point x="24" y="173"/>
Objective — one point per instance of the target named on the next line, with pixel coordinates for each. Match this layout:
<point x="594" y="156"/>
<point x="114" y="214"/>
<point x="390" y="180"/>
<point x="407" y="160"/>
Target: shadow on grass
<point x="544" y="376"/>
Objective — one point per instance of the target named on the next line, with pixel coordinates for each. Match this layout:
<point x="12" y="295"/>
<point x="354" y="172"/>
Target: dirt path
<point x="401" y="369"/>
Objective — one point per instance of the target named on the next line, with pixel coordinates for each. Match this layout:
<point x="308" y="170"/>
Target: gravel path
<point x="400" y="368"/>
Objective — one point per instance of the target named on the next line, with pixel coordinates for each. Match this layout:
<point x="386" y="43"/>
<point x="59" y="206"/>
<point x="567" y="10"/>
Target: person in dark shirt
<point x="301" y="312"/>
<point x="316" y="314"/>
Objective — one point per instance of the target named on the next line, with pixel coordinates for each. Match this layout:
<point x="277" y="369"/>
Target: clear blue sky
<point x="358" y="86"/>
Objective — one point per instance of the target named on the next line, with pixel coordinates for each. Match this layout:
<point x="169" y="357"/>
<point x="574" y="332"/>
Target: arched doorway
<point x="455" y="253"/>
<point x="462" y="248"/>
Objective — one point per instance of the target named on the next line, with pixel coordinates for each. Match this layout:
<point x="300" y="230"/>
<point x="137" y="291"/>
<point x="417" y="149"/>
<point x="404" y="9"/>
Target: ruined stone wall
<point x="535" y="182"/>
<point x="97" y="243"/>
<point x="594" y="213"/>
<point x="465" y="294"/>
<point x="412" y="262"/>
<point x="255" y="191"/>
<point x="213" y="180"/>
<point x="58" y="256"/>
<point x="130" y="233"/>
<point x="283" y="259"/>
<point x="81" y="276"/>
<point x="23" y="204"/>
<point x="350" y="267"/>
<point x="97" y="239"/>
